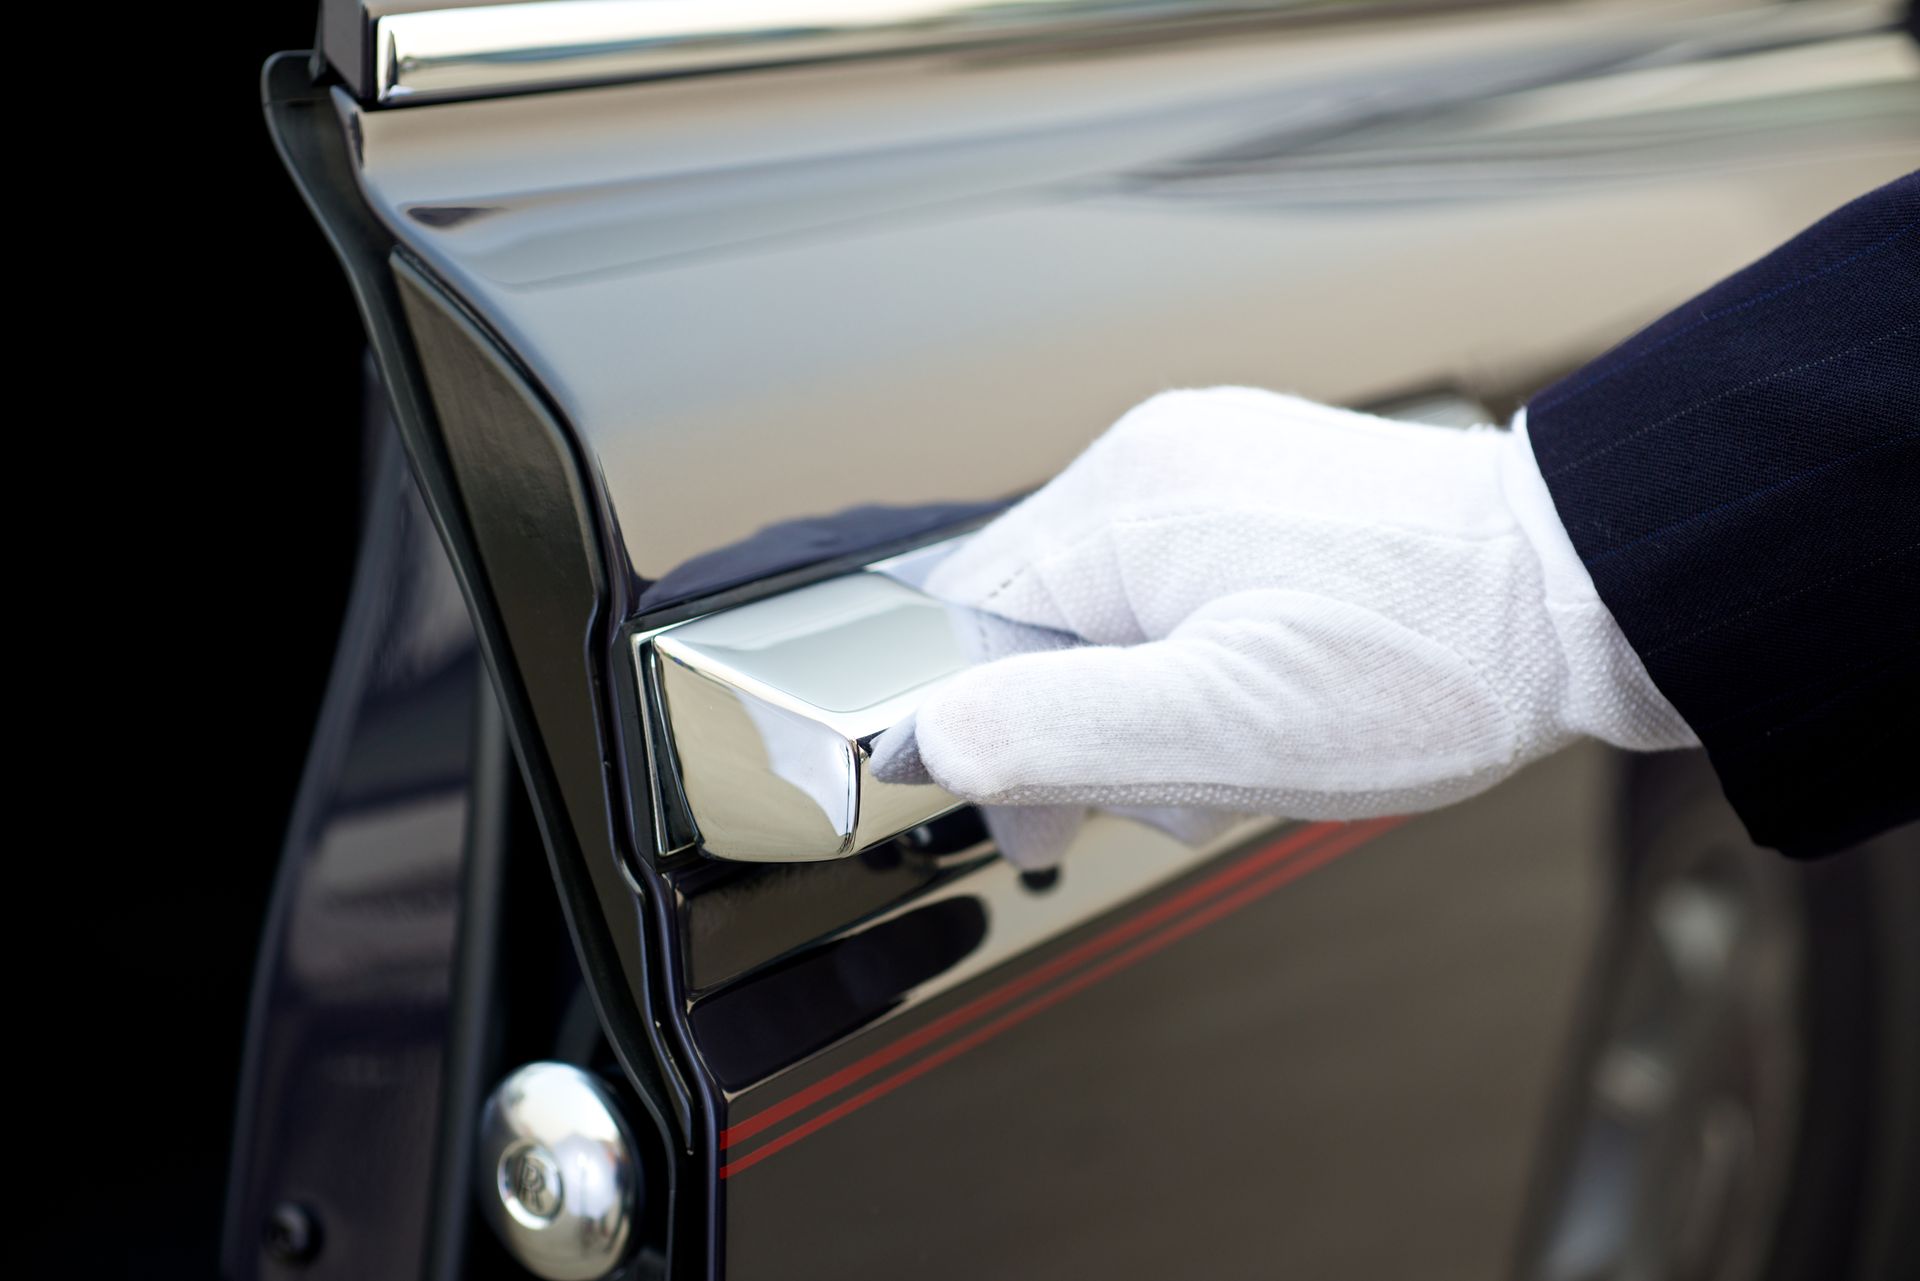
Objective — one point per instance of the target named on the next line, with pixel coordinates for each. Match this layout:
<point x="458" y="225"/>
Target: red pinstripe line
<point x="986" y="1003"/>
<point x="1332" y="849"/>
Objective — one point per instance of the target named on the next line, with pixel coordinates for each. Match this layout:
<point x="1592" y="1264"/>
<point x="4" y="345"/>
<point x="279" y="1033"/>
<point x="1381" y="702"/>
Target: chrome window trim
<point x="487" y="50"/>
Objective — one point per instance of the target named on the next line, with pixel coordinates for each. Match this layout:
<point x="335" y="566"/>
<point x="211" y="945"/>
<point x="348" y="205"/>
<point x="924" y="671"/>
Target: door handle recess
<point x="761" y="718"/>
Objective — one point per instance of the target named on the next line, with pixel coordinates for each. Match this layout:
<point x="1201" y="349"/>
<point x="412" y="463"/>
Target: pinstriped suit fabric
<point x="1742" y="480"/>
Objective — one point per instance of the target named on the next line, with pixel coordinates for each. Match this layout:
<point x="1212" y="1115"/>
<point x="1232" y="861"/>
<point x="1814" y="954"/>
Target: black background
<point x="194" y="479"/>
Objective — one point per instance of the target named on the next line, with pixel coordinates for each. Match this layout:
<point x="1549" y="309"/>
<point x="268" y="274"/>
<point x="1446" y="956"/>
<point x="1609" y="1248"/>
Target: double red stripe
<point x="1256" y="876"/>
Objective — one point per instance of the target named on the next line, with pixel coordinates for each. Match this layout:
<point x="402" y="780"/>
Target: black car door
<point x="684" y="316"/>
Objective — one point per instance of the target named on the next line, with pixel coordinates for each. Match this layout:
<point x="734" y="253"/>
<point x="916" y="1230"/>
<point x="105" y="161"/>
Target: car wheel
<point x="1716" y="1119"/>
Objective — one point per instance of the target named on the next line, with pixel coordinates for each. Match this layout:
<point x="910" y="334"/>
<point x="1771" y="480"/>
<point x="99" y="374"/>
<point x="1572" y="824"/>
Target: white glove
<point x="1290" y="610"/>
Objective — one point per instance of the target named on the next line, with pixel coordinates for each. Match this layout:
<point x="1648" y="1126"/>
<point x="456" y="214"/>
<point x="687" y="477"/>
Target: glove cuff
<point x="1609" y="695"/>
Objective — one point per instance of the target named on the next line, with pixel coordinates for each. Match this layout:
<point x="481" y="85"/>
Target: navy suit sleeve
<point x="1742" y="480"/>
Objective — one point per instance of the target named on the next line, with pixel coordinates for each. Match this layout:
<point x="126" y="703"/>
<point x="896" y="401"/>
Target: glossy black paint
<point x="736" y="917"/>
<point x="752" y="1030"/>
<point x="415" y="952"/>
<point x="607" y="919"/>
<point x="535" y="544"/>
<point x="1246" y="1100"/>
<point x="1255" y="1097"/>
<point x="339" y="1120"/>
<point x="1214" y="1109"/>
<point x="791" y="544"/>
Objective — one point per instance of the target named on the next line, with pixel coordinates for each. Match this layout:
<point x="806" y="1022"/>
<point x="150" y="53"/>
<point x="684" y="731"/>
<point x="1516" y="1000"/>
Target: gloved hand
<point x="1291" y="610"/>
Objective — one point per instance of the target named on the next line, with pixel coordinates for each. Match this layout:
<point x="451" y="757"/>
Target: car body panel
<point x="822" y="282"/>
<point x="341" y="1113"/>
<point x="1256" y="1097"/>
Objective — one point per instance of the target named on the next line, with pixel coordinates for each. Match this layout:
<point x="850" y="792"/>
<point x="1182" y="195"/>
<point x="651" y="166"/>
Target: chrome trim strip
<point x="488" y="50"/>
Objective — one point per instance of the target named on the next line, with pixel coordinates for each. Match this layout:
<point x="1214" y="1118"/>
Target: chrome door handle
<point x="762" y="717"/>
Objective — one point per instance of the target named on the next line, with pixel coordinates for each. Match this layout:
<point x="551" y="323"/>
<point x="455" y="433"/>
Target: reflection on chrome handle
<point x="762" y="717"/>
